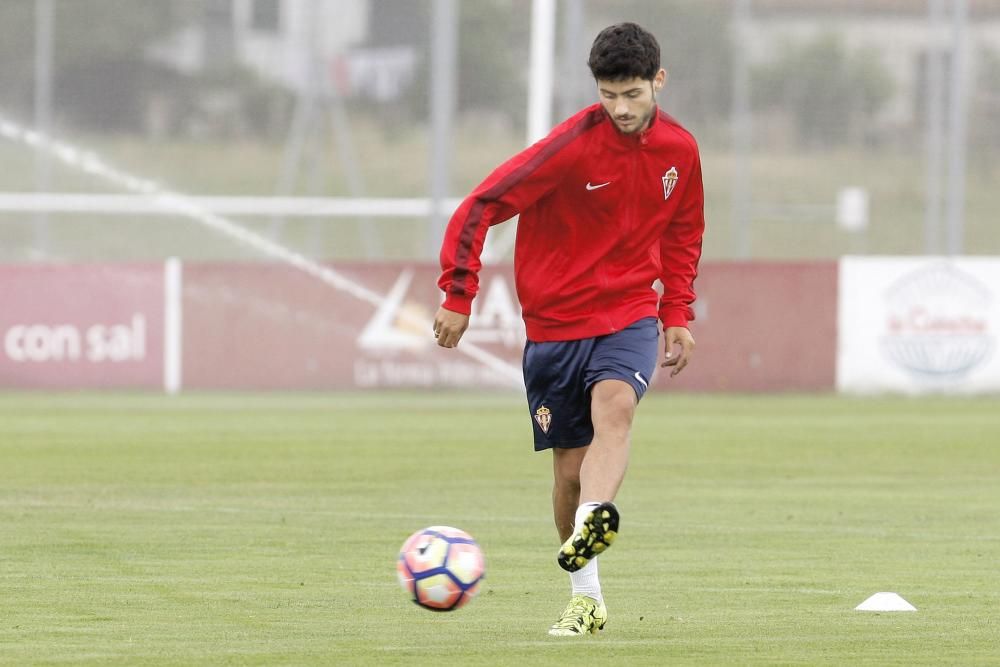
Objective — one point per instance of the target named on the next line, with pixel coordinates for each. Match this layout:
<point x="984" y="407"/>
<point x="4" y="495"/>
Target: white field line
<point x="90" y="163"/>
<point x="296" y="207"/>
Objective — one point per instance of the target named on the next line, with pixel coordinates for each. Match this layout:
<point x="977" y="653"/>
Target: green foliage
<point x="103" y="81"/>
<point x="99" y="76"/>
<point x="88" y="32"/>
<point x="832" y="94"/>
<point x="263" y="529"/>
<point x="98" y="30"/>
<point x="492" y="49"/>
<point x="17" y="21"/>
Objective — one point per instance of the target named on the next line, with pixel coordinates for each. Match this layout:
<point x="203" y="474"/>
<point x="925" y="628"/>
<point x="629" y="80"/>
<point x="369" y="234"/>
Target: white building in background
<point x="277" y="39"/>
<point x="285" y="41"/>
<point x="293" y="43"/>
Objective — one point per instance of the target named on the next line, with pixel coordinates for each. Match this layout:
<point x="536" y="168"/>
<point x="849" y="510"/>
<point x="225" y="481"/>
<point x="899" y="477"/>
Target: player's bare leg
<point x="585" y="613"/>
<point x="601" y="474"/>
<point x="612" y="409"/>
<point x="566" y="488"/>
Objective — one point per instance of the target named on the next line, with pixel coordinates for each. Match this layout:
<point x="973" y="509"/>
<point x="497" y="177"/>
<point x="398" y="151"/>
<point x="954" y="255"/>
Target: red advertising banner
<point x="763" y="326"/>
<point x="768" y="327"/>
<point x="265" y="326"/>
<point x="274" y="327"/>
<point x="81" y="326"/>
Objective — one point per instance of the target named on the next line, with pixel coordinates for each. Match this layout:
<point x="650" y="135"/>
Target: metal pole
<point x="934" y="107"/>
<point x="574" y="85"/>
<point x="44" y="23"/>
<point x="350" y="163"/>
<point x="444" y="44"/>
<point x="543" y="37"/>
<point x="957" y="129"/>
<point x="742" y="129"/>
<point x="304" y="115"/>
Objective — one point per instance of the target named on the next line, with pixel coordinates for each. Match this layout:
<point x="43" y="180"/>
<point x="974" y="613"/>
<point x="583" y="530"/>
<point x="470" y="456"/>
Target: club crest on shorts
<point x="669" y="182"/>
<point x="544" y="418"/>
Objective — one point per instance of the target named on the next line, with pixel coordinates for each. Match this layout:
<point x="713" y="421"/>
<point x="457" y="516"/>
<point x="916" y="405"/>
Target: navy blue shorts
<point x="559" y="375"/>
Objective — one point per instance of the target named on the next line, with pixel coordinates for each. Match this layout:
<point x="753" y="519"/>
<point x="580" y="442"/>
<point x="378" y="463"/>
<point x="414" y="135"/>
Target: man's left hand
<point x="677" y="336"/>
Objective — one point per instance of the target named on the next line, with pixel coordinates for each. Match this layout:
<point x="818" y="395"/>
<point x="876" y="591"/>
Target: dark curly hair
<point x="624" y="51"/>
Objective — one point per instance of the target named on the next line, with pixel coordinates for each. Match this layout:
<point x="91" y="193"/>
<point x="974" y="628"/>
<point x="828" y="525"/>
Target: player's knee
<point x="615" y="403"/>
<point x="569" y="484"/>
<point x="567" y="469"/>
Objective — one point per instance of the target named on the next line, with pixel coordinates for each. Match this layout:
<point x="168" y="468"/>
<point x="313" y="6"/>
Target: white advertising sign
<point x="919" y="325"/>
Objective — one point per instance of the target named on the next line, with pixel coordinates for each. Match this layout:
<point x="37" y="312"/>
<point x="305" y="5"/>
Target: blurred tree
<point x="492" y="47"/>
<point x="832" y="95"/>
<point x="17" y="44"/>
<point x="98" y="30"/>
<point x="104" y="81"/>
<point x="97" y="54"/>
<point x="492" y="51"/>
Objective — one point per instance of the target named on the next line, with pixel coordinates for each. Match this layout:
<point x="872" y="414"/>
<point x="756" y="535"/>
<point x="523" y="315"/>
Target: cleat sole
<point x="597" y="533"/>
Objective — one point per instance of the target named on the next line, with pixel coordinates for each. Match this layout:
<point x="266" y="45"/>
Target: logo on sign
<point x="400" y="323"/>
<point x="936" y="322"/>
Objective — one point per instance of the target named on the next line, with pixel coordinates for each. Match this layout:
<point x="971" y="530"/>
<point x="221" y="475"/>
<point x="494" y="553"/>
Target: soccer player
<point x="609" y="202"/>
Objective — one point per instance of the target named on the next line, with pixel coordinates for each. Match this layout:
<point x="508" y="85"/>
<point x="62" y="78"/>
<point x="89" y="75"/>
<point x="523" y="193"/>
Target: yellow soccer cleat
<point x="596" y="534"/>
<point x="582" y="615"/>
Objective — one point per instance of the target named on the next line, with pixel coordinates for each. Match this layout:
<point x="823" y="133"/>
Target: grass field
<point x="262" y="530"/>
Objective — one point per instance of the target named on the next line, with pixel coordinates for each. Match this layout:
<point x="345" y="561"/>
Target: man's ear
<point x="660" y="80"/>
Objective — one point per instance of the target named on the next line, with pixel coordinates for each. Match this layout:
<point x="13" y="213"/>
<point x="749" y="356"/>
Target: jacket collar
<point x="637" y="139"/>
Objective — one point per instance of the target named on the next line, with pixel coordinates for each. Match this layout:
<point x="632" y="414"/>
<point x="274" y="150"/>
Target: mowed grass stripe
<point x="262" y="529"/>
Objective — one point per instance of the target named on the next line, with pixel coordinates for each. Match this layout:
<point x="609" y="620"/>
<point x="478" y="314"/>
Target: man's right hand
<point x="449" y="327"/>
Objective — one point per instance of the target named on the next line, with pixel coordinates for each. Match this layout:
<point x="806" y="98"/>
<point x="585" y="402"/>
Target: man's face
<point x="631" y="102"/>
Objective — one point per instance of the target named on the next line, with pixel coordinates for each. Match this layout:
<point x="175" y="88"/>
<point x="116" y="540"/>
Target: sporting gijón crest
<point x="669" y="182"/>
<point x="544" y="418"/>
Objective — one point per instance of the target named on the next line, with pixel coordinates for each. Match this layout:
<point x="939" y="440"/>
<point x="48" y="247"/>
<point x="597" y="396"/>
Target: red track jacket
<point x="603" y="215"/>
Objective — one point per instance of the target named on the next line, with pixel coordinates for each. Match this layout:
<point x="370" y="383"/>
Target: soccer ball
<point x="440" y="568"/>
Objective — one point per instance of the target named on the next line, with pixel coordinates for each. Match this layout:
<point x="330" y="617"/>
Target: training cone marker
<point x="885" y="602"/>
